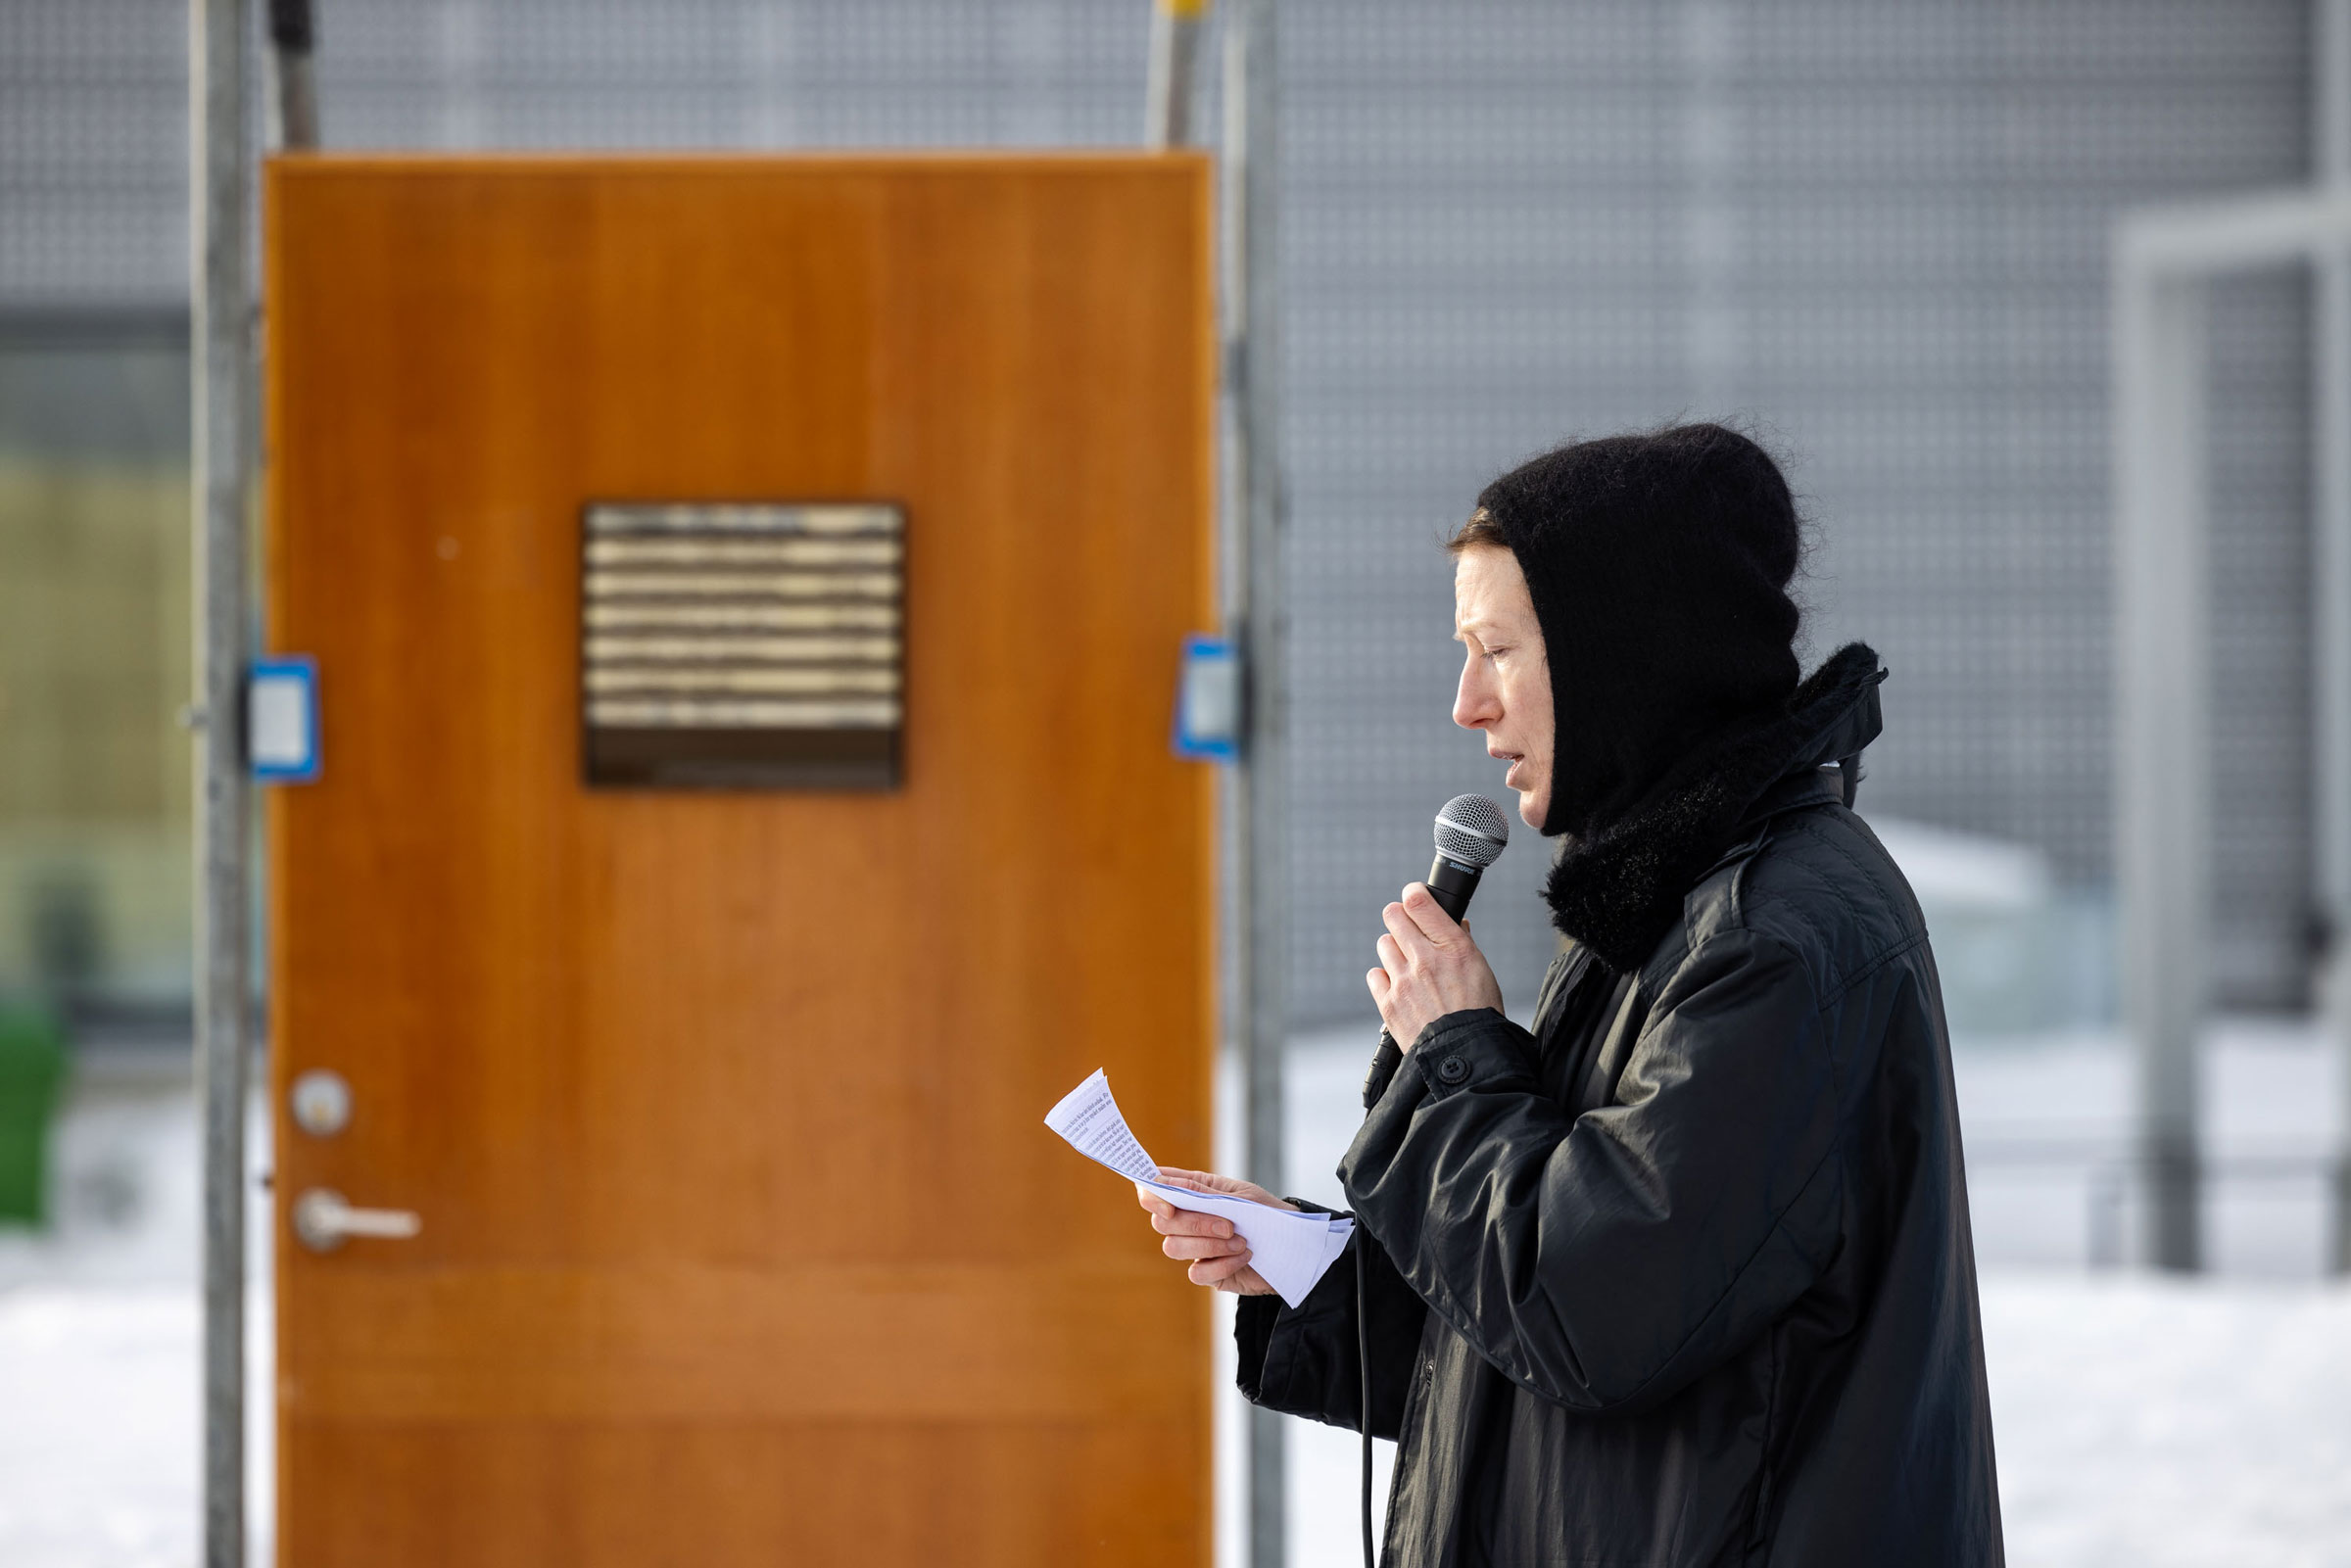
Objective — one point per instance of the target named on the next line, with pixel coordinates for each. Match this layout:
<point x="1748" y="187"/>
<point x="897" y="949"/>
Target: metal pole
<point x="2161" y="754"/>
<point x="2163" y="260"/>
<point x="220" y="351"/>
<point x="1174" y="67"/>
<point x="2330" y="583"/>
<point x="1256" y="614"/>
<point x="293" y="40"/>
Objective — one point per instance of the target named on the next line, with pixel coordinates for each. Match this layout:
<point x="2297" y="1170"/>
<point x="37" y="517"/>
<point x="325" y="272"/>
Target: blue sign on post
<point x="1208" y="699"/>
<point x="281" y="719"/>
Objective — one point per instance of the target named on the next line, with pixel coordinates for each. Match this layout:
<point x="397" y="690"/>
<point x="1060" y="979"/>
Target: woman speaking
<point x="1682" y="1275"/>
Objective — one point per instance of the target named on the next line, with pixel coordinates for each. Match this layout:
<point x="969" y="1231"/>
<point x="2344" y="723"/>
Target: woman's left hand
<point x="1428" y="967"/>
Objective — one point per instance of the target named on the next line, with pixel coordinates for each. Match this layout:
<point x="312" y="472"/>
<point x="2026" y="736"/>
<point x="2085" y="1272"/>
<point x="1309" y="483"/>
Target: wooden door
<point x="742" y="1241"/>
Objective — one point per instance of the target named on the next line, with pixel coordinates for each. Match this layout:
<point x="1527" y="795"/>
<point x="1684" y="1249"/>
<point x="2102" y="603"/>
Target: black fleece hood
<point x="1659" y="565"/>
<point x="1618" y="891"/>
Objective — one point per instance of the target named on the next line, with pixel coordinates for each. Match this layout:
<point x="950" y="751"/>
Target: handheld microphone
<point x="1470" y="833"/>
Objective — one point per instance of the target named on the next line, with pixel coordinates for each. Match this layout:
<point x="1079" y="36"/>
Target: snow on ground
<point x="99" y="1337"/>
<point x="97" y="1465"/>
<point x="2140" y="1421"/>
<point x="2149" y="1424"/>
<point x="98" y="1422"/>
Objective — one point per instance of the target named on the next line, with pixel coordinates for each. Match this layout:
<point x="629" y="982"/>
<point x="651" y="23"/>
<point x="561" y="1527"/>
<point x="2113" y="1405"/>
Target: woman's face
<point x="1505" y="680"/>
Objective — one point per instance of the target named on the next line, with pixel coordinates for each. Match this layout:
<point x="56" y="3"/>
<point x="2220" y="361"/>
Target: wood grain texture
<point x="743" y="1236"/>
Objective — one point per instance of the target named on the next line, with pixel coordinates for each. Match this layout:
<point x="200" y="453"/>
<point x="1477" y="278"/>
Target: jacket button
<point x="1452" y="1070"/>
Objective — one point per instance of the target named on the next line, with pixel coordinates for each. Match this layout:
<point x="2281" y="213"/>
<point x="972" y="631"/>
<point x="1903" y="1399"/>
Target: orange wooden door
<point x="741" y="1239"/>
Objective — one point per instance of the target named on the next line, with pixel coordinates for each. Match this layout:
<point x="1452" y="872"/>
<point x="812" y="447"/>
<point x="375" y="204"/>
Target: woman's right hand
<point x="1215" y="1255"/>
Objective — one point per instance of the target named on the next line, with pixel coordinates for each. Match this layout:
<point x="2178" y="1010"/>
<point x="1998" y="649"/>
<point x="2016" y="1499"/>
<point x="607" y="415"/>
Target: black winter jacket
<point x="1684" y="1275"/>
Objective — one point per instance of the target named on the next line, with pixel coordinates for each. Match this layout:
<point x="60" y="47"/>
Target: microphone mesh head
<point x="1473" y="830"/>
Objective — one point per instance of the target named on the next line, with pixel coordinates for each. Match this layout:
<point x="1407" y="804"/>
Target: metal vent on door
<point x="742" y="647"/>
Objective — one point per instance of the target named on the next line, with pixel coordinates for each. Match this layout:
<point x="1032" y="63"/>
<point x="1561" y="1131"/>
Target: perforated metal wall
<point x="1875" y="232"/>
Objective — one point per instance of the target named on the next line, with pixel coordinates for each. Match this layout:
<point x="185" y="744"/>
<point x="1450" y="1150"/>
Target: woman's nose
<point x="1473" y="706"/>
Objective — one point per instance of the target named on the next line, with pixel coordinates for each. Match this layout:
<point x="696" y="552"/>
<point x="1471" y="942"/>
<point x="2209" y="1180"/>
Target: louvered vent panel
<point x="742" y="647"/>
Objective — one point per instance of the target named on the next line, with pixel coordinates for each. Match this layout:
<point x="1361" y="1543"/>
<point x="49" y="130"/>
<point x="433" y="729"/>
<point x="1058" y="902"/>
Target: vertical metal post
<point x="293" y="40"/>
<point x="2161" y="756"/>
<point x="1174" y="70"/>
<point x="221" y="355"/>
<point x="2331" y="584"/>
<point x="1256" y="613"/>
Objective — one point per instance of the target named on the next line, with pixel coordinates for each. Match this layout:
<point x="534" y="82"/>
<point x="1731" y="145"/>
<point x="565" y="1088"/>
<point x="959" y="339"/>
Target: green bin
<point x="32" y="1064"/>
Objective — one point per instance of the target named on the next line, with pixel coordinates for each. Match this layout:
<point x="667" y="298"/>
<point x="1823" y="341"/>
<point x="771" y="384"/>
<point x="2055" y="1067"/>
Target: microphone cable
<point x="1363" y="1366"/>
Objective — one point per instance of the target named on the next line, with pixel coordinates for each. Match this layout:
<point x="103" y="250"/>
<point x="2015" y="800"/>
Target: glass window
<point x="94" y="667"/>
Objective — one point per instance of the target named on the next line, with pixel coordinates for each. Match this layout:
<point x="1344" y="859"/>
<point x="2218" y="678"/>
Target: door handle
<point x="323" y="1220"/>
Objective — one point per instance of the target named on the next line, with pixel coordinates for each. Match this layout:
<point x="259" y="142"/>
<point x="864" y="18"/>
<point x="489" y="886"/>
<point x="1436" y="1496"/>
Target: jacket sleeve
<point x="1303" y="1362"/>
<point x="1606" y="1260"/>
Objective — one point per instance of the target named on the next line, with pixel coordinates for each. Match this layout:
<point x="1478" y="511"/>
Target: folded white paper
<point x="1289" y="1249"/>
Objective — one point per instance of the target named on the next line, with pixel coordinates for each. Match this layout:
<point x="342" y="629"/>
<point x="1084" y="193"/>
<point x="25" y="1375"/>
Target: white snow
<point x="2153" y="1424"/>
<point x="100" y="1339"/>
<point x="98" y="1452"/>
<point x="96" y="1466"/>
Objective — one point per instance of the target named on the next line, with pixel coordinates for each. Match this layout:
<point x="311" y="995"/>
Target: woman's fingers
<point x="1406" y="933"/>
<point x="1221" y="1186"/>
<point x="1216" y="1273"/>
<point x="1170" y="1221"/>
<point x="1183" y="1222"/>
<point x="1428" y="917"/>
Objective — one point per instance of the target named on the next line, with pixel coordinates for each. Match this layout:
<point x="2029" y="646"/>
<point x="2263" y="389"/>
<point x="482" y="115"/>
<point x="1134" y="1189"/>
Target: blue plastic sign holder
<point x="281" y="719"/>
<point x="1208" y="699"/>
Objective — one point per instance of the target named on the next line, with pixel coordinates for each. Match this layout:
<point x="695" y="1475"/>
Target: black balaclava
<point x="1659" y="565"/>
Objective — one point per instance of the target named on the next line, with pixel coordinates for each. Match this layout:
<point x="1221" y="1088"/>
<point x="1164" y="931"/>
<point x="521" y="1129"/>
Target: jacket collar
<point x="1620" y="890"/>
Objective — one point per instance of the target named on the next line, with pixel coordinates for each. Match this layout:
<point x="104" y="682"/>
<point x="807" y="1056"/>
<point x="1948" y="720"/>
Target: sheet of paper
<point x="1287" y="1248"/>
<point x="1335" y="1243"/>
<point x="1089" y="1117"/>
